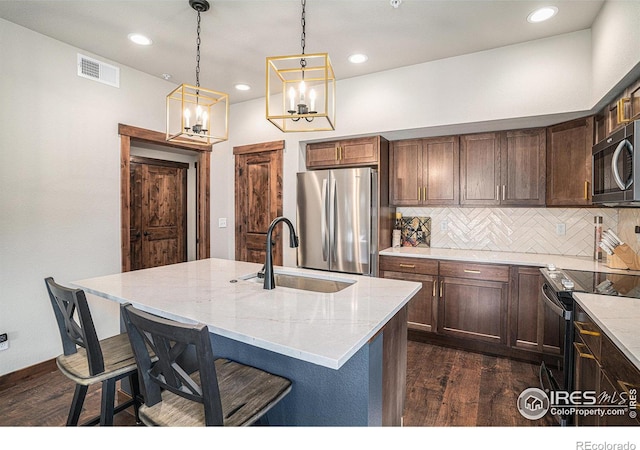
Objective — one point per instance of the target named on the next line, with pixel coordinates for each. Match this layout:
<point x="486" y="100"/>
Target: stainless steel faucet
<point x="269" y="279"/>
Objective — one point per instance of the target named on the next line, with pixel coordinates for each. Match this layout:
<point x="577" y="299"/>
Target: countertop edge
<point x="632" y="354"/>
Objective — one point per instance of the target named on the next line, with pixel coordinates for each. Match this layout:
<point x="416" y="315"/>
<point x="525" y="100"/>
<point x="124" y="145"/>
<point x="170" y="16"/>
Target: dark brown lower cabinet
<point x="533" y="327"/>
<point x="601" y="367"/>
<point x="473" y="309"/>
<point x="423" y="306"/>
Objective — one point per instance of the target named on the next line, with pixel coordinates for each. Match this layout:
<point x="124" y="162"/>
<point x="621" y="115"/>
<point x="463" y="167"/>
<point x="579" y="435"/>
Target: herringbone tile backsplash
<point x="526" y="230"/>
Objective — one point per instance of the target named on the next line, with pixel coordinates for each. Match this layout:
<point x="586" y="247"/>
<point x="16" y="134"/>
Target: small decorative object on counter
<point x="597" y="237"/>
<point x="397" y="231"/>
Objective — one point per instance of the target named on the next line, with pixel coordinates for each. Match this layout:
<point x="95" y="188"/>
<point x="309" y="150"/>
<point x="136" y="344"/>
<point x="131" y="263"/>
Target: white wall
<point x="59" y="183"/>
<point x="616" y="45"/>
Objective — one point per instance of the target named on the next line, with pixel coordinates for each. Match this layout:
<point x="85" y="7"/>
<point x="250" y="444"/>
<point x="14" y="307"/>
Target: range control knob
<point x="551" y="267"/>
<point x="568" y="284"/>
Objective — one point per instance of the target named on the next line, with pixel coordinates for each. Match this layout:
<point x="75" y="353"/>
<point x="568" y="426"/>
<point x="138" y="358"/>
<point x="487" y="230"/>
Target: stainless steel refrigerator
<point x="336" y="220"/>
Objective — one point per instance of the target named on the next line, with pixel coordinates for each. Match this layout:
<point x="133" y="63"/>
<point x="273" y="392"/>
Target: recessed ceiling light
<point x="542" y="14"/>
<point x="242" y="87"/>
<point x="358" y="58"/>
<point x="140" y="39"/>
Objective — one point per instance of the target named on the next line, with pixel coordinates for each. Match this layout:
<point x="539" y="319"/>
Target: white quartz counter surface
<point x="324" y="329"/>
<point x="512" y="258"/>
<point x="618" y="318"/>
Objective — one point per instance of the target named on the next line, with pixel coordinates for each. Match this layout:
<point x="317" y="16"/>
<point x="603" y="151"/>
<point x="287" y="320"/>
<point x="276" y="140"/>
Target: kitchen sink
<point x="303" y="282"/>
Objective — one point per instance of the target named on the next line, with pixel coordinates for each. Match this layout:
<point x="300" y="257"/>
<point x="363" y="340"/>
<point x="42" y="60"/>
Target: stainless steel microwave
<point x="616" y="168"/>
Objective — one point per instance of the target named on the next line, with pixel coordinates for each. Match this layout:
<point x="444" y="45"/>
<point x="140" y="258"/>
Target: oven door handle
<point x="623" y="185"/>
<point x="559" y="310"/>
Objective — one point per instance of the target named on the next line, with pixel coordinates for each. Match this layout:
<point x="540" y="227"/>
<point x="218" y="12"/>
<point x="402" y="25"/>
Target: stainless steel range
<point x="557" y="293"/>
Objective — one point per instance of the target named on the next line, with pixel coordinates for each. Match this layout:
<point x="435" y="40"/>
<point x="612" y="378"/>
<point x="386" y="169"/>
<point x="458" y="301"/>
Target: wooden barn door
<point x="158" y="234"/>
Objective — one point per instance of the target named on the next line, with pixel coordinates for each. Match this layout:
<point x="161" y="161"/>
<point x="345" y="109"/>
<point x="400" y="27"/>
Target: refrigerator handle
<point x="323" y="220"/>
<point x="334" y="216"/>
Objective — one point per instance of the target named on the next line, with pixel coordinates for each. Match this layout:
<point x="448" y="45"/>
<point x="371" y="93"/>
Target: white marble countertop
<point x="512" y="258"/>
<point x="618" y="317"/>
<point x="324" y="329"/>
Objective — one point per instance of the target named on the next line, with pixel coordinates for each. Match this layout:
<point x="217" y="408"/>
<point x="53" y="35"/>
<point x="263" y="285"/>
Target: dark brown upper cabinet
<point x="506" y="168"/>
<point x="569" y="163"/>
<point x="425" y="172"/>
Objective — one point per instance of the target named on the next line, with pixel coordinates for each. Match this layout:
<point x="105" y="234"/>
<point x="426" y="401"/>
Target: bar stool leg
<point x="107" y="402"/>
<point x="76" y="405"/>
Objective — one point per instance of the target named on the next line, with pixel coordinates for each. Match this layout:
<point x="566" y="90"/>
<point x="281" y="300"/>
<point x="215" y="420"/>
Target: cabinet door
<point x="480" y="169"/>
<point x="441" y="168"/>
<point x="322" y="154"/>
<point x="525" y="326"/>
<point x="358" y="151"/>
<point x="405" y="166"/>
<point x="473" y="309"/>
<point x="523" y="168"/>
<point x="569" y="163"/>
<point x="422" y="307"/>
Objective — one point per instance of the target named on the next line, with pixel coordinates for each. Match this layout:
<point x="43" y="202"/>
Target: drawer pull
<point x="441" y="288"/>
<point x="433" y="293"/>
<point x="582" y="328"/>
<point x="419" y="192"/>
<point x="471" y="271"/>
<point x="582" y="351"/>
<point x="408" y="266"/>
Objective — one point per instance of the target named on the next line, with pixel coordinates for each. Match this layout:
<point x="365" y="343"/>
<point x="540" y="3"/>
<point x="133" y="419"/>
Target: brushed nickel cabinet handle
<point x="497" y="192"/>
<point x="408" y="266"/>
<point x="504" y="196"/>
<point x="582" y="328"/>
<point x="582" y="351"/>
<point x="471" y="271"/>
<point x="441" y="288"/>
<point x="433" y="292"/>
<point x="424" y="193"/>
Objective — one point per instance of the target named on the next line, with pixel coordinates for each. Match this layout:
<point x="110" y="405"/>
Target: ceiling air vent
<point x="98" y="71"/>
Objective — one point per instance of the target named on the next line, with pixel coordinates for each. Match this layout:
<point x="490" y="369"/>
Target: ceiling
<point x="237" y="35"/>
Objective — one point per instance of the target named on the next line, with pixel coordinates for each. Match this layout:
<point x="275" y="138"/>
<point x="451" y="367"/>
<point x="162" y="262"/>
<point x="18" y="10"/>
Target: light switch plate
<point x="222" y="222"/>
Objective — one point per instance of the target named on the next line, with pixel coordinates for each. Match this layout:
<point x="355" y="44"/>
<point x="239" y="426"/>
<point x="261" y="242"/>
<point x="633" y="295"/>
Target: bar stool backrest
<point x="169" y="339"/>
<point x="75" y="323"/>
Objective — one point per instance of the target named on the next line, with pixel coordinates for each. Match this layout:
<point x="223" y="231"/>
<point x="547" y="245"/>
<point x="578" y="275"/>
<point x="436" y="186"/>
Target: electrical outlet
<point x="4" y="341"/>
<point x="444" y="225"/>
<point x="561" y="229"/>
<point x="222" y="222"/>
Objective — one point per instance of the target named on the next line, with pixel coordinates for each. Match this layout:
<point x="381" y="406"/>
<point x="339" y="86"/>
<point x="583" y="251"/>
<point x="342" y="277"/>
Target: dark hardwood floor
<point x="445" y="387"/>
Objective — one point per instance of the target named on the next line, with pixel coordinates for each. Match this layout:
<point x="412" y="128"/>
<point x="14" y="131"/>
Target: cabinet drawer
<point x="587" y="331"/>
<point x="487" y="272"/>
<point x="409" y="265"/>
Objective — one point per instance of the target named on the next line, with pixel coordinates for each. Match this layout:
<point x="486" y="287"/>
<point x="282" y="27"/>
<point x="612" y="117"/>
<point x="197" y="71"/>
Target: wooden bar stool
<point x="105" y="361"/>
<point x="219" y="392"/>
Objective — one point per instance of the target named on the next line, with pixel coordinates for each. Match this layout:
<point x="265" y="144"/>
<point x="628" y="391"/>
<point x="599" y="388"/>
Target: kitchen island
<point x="345" y="352"/>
